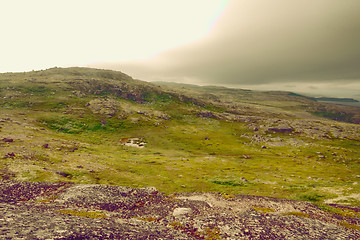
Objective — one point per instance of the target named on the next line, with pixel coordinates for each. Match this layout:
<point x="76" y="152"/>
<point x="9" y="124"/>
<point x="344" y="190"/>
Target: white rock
<point x="182" y="211"/>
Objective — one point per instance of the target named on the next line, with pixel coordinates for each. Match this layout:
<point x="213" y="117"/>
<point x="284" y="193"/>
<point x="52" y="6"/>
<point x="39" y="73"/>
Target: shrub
<point x="311" y="196"/>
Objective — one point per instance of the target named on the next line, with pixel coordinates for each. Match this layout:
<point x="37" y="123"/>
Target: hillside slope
<point x="97" y="126"/>
<point x="276" y="99"/>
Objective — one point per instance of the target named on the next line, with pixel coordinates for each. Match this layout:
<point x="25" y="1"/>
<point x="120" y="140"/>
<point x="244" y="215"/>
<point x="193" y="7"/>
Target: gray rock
<point x="150" y="190"/>
<point x="243" y="179"/>
<point x="182" y="211"/>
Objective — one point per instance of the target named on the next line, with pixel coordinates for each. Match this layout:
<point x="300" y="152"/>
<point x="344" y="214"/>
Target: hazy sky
<point x="308" y="46"/>
<point x="38" y="34"/>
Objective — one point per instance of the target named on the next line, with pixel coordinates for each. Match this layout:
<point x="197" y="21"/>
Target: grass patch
<point x="228" y="196"/>
<point x="311" y="196"/>
<point x="209" y="233"/>
<point x="83" y="213"/>
<point x="339" y="116"/>
<point x="66" y="125"/>
<point x="344" y="212"/>
<point x="263" y="209"/>
<point x="228" y="182"/>
<point x="350" y="226"/>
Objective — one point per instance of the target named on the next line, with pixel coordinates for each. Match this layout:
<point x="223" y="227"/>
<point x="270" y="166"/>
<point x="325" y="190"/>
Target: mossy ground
<point x="186" y="153"/>
<point x="203" y="155"/>
<point x="82" y="213"/>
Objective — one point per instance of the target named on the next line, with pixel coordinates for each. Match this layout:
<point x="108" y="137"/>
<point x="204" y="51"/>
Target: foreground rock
<point x="30" y="210"/>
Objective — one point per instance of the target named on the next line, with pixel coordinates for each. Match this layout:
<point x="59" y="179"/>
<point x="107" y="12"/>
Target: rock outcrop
<point x="32" y="210"/>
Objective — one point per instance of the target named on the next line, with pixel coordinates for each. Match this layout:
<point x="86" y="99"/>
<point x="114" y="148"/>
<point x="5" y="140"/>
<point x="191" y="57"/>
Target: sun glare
<point x="41" y="34"/>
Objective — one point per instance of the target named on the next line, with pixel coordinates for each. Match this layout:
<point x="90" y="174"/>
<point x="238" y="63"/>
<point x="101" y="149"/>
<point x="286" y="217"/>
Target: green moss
<point x="311" y="196"/>
<point x="83" y="213"/>
<point x="66" y="125"/>
<point x="211" y="233"/>
<point x="228" y="196"/>
<point x="345" y="212"/>
<point x="227" y="182"/>
<point x="263" y="209"/>
<point x="339" y="116"/>
<point x="350" y="226"/>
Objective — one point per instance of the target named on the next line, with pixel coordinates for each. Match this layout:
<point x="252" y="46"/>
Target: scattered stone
<point x="73" y="149"/>
<point x="355" y="183"/>
<point x="10" y="155"/>
<point x="243" y="179"/>
<point x="280" y="130"/>
<point x="8" y="140"/>
<point x="150" y="190"/>
<point x="46" y="146"/>
<point x="64" y="174"/>
<point x="208" y="115"/>
<point x="108" y="107"/>
<point x="246" y="157"/>
<point x="133" y="142"/>
<point x="34" y="210"/>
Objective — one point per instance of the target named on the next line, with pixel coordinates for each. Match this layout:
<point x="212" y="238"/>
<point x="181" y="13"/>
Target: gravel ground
<point x="32" y="210"/>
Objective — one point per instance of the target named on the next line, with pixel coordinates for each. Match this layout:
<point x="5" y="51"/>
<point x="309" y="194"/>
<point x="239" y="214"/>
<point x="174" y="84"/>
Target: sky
<point x="303" y="46"/>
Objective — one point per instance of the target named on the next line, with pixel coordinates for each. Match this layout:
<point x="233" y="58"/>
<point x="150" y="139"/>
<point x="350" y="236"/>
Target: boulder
<point x="280" y="130"/>
<point x="182" y="211"/>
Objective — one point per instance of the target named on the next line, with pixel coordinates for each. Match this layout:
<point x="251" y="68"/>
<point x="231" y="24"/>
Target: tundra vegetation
<point x="71" y="125"/>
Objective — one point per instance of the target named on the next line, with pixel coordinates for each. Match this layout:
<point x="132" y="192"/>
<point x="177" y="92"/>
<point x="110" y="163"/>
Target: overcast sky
<point x="310" y="46"/>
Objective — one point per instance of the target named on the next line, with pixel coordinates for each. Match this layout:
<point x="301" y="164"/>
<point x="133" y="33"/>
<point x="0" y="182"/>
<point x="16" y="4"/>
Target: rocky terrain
<point x="227" y="163"/>
<point x="34" y="210"/>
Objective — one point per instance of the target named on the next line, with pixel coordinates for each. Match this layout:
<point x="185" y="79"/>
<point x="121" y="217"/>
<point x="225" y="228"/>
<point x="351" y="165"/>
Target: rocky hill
<point x="204" y="146"/>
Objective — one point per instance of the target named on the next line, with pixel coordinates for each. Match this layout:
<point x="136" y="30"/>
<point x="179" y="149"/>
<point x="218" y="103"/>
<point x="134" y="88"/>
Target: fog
<point x="304" y="46"/>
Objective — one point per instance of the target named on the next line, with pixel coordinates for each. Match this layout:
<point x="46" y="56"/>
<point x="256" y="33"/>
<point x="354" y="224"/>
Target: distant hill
<point x="328" y="99"/>
<point x="343" y="110"/>
<point x="340" y="101"/>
